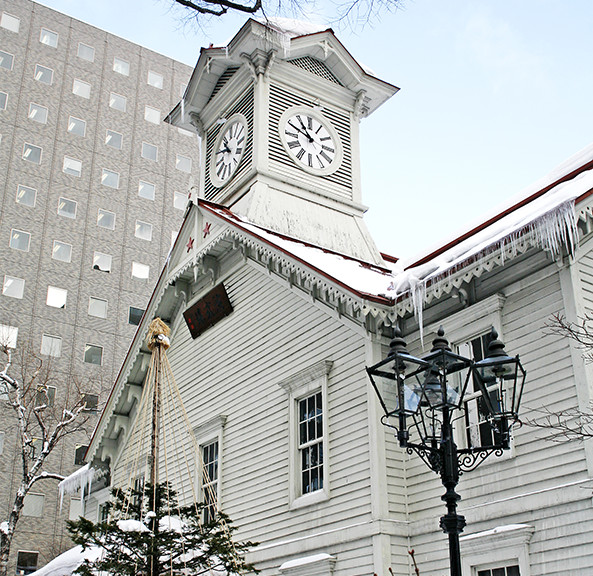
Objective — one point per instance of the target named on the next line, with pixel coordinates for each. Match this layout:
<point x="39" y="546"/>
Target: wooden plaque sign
<point x="207" y="311"/>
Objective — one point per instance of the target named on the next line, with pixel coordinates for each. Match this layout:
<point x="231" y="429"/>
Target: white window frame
<point x="27" y="504"/>
<point x="52" y="37"/>
<point x="33" y="106"/>
<point x="17" y="196"/>
<point x="115" y="97"/>
<point x="84" y="88"/>
<point x="38" y="79"/>
<point x="299" y="386"/>
<point x="87" y="344"/>
<point x="152" y="115"/>
<point x="31" y="147"/>
<point x="65" y="214"/>
<point x="179" y="158"/>
<point x="121" y="66"/>
<point x="210" y="431"/>
<point x="73" y="121"/>
<point x="9" y="335"/>
<point x="155" y="79"/>
<point x="106" y="173"/>
<point x="19" y="286"/>
<point x="10" y="22"/>
<point x="139" y="319"/>
<point x="51" y="345"/>
<point x="461" y="328"/>
<point x="96" y="253"/>
<point x="148" y="147"/>
<point x="58" y="244"/>
<point x="139" y="269"/>
<point x="93" y="299"/>
<point x="91" y="48"/>
<point x="11" y="60"/>
<point x="109" y="134"/>
<point x="501" y="546"/>
<point x="75" y="510"/>
<point x="72" y="167"/>
<point x="141" y="185"/>
<point x="5" y="104"/>
<point x="102" y="210"/>
<point x="140" y="224"/>
<point x="57" y="294"/>
<point x="12" y="231"/>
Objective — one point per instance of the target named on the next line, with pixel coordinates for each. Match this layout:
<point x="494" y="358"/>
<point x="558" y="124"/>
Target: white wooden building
<point x="277" y="227"/>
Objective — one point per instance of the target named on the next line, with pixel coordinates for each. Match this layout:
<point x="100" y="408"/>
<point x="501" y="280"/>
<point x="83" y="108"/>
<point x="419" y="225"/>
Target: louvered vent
<point x="224" y="78"/>
<point x="315" y="67"/>
<point x="243" y="106"/>
<point x="280" y="100"/>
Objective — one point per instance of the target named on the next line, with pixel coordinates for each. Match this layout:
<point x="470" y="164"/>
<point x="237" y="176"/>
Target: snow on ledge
<point x="66" y="563"/>
<point x="497" y="530"/>
<point x="305" y="560"/>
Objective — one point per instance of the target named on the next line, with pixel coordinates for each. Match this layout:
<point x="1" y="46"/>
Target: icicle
<point x="80" y="480"/>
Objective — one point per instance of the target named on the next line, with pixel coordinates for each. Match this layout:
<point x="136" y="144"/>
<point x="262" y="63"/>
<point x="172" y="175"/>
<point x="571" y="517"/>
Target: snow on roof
<point x="66" y="563"/>
<point x="364" y="278"/>
<point x="293" y="28"/>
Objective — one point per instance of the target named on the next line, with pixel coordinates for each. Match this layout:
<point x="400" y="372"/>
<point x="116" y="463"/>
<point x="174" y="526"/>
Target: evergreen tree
<point x="143" y="540"/>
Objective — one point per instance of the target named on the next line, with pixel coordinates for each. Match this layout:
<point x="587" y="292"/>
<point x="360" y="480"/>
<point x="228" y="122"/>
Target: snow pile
<point x="66" y="563"/>
<point x="293" y="28"/>
<point x="81" y="480"/>
<point x="132" y="526"/>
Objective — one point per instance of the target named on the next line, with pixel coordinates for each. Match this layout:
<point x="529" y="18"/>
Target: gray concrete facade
<point x="82" y="143"/>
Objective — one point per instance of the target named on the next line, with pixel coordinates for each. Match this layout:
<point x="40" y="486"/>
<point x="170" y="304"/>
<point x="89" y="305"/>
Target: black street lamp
<point x="422" y="397"/>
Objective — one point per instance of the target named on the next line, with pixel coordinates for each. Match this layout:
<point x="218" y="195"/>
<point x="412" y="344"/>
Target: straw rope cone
<point x="158" y="335"/>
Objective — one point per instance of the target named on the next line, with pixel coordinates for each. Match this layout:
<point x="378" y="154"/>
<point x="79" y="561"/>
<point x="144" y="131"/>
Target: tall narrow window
<point x="8" y="335"/>
<point x="209" y="454"/>
<point x="180" y="200"/>
<point x="44" y="74"/>
<point x="141" y="271"/>
<point x="135" y="315"/>
<point x="80" y="452"/>
<point x="26" y="195"/>
<point x="38" y="113"/>
<point x="97" y="307"/>
<point x="143" y="230"/>
<point x="311" y="443"/>
<point x="48" y="38"/>
<point x="3" y="100"/>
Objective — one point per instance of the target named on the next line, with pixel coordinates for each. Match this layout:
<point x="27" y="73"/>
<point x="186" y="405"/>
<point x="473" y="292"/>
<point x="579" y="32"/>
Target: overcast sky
<point x="494" y="94"/>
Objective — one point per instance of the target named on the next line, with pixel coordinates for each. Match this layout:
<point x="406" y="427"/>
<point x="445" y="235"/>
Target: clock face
<point x="228" y="150"/>
<point x="310" y="140"/>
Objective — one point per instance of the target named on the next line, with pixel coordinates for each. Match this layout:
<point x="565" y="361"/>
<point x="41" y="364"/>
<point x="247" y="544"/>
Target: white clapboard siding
<point x="234" y="369"/>
<point x="543" y="483"/>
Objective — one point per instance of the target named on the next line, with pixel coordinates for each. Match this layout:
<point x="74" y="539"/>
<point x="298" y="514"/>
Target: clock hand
<point x="306" y="131"/>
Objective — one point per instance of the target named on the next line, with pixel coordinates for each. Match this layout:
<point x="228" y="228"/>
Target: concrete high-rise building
<point x="94" y="186"/>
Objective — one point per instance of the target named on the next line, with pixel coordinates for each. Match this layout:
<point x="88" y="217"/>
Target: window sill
<point x="309" y="499"/>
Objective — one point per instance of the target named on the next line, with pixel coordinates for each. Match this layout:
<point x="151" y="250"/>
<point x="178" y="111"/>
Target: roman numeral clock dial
<point x="228" y="150"/>
<point x="310" y="140"/>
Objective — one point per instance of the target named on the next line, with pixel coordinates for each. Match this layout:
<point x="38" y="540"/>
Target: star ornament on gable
<point x="190" y="244"/>
<point x="207" y="229"/>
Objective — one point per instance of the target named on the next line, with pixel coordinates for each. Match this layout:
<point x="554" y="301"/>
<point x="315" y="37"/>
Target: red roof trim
<point x="231" y="218"/>
<point x="520" y="204"/>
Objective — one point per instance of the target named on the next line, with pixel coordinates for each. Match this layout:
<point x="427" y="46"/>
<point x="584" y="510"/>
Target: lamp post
<point x="422" y="397"/>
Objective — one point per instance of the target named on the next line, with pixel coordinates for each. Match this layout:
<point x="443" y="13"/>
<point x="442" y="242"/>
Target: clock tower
<point x="278" y="111"/>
